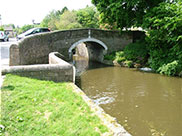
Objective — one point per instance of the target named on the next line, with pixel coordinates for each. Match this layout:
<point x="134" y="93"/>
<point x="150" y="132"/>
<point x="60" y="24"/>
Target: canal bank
<point x="77" y="113"/>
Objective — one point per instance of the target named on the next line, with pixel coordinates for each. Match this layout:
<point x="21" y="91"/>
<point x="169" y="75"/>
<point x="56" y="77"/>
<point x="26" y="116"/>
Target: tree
<point x="50" y="19"/>
<point x="1" y="28"/>
<point x="24" y="28"/>
<point x="164" y="38"/>
<point x="63" y="10"/>
<point x="88" y="17"/>
<point x="53" y="17"/>
<point x="125" y="13"/>
<point x="68" y="21"/>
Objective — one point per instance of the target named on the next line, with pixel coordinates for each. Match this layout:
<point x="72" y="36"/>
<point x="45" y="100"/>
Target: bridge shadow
<point x="82" y="65"/>
<point x="91" y="50"/>
<point x="87" y="56"/>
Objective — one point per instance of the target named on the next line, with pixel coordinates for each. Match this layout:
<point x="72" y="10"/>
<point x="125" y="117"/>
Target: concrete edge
<point x="54" y="59"/>
<point x="115" y="128"/>
<point x="29" y="68"/>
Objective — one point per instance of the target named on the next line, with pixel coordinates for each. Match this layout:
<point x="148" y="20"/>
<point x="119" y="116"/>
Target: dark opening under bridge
<point x="35" y="49"/>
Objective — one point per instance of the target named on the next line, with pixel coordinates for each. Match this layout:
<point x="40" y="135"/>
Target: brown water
<point x="145" y="104"/>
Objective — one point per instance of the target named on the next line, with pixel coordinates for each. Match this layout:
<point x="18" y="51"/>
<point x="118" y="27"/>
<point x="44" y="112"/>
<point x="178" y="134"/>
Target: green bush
<point x="128" y="63"/>
<point x="120" y="59"/>
<point x="169" y="69"/>
<point x="1" y="29"/>
<point x="164" y="37"/>
<point x="119" y="56"/>
<point x="110" y="56"/>
<point x="136" y="52"/>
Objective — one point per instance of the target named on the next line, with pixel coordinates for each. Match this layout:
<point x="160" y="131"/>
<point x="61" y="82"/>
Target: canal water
<point x="145" y="104"/>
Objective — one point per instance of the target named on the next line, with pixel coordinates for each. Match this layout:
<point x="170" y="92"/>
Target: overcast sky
<point x="20" y="12"/>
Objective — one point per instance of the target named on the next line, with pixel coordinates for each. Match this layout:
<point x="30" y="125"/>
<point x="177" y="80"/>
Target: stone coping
<point x="57" y="58"/>
<point x="30" y="68"/>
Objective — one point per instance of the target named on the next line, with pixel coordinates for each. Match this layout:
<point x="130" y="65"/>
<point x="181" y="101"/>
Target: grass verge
<point x="32" y="107"/>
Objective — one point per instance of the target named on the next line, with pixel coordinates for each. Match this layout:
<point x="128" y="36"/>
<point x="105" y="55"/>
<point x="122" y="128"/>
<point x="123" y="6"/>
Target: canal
<point x="145" y="104"/>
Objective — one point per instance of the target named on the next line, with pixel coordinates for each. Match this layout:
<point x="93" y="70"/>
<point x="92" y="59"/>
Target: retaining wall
<point x="57" y="70"/>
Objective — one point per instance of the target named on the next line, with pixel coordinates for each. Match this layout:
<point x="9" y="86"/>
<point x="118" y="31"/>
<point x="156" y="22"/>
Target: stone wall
<point x="81" y="50"/>
<point x="14" y="55"/>
<point x="35" y="49"/>
<point x="57" y="70"/>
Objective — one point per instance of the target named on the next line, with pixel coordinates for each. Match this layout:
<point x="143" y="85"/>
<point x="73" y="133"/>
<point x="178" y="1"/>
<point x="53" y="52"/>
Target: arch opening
<point x="90" y="48"/>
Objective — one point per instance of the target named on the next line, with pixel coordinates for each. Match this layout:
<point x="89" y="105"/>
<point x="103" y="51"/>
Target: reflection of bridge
<point x="35" y="49"/>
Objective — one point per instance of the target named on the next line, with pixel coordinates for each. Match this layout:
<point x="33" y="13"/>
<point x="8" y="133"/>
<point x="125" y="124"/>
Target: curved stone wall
<point x="57" y="70"/>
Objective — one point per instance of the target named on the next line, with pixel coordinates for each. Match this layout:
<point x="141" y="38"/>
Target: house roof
<point x="8" y="28"/>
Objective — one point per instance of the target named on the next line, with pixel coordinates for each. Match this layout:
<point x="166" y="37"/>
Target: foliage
<point x="88" y="17"/>
<point x="1" y="29"/>
<point x="65" y="19"/>
<point x="117" y="56"/>
<point x="109" y="56"/>
<point x="63" y="10"/>
<point x="124" y="13"/>
<point x="51" y="19"/>
<point x="24" y="28"/>
<point x="35" y="107"/>
<point x="169" y="69"/>
<point x="136" y="52"/>
<point x="128" y="63"/>
<point x="165" y="35"/>
<point x="68" y="21"/>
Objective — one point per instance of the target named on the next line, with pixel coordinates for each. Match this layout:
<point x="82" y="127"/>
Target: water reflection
<point x="144" y="103"/>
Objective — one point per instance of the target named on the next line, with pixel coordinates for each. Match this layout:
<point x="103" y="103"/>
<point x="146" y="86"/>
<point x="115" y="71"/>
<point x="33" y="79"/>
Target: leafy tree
<point x="65" y="19"/>
<point x="88" y="17"/>
<point x="68" y="21"/>
<point x="165" y="37"/>
<point x="63" y="10"/>
<point x="1" y="28"/>
<point x="53" y="17"/>
<point x="50" y="19"/>
<point x="125" y="13"/>
<point x="24" y="28"/>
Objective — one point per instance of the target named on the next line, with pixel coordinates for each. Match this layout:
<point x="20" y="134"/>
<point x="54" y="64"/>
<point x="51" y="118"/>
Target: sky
<point x="21" y="12"/>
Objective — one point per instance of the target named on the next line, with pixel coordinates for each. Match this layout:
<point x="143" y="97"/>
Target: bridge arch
<point x="35" y="49"/>
<point x="87" y="40"/>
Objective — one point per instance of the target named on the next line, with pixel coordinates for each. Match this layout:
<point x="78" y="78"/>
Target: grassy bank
<point x="32" y="107"/>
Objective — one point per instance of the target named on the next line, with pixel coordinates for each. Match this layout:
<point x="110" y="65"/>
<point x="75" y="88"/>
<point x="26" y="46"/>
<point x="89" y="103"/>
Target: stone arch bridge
<point x="35" y="49"/>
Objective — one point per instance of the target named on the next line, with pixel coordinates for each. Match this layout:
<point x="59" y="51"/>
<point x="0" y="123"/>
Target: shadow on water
<point x="82" y="65"/>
